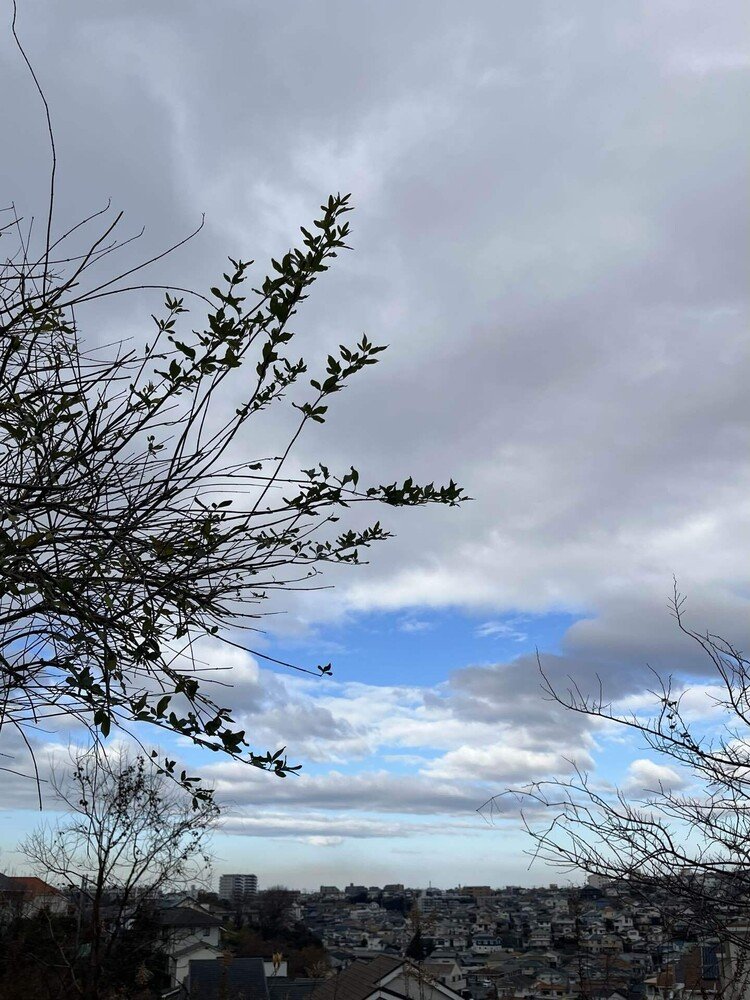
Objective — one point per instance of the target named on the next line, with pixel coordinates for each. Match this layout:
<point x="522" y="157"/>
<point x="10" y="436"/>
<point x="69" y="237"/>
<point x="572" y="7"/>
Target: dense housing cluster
<point x="600" y="941"/>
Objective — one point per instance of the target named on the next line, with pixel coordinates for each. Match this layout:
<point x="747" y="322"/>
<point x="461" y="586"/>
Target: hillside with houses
<point x="596" y="942"/>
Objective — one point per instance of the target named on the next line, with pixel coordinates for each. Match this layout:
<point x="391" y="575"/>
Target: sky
<point x="551" y="235"/>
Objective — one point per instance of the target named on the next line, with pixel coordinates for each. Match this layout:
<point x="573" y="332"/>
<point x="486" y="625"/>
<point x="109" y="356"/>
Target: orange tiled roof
<point x="33" y="885"/>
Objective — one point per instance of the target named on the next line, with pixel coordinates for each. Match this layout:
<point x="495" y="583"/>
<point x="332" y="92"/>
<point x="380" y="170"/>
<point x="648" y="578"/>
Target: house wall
<point x="736" y="972"/>
<point x="26" y="904"/>
<point x="181" y="964"/>
<point x="182" y="945"/>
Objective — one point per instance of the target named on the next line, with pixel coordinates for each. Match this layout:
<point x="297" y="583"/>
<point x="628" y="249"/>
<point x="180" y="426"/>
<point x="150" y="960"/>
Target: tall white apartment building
<point x="237" y="886"/>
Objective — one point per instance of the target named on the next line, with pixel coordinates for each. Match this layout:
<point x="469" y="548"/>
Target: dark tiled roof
<point x="281" y="988"/>
<point x="240" y="979"/>
<point x="185" y="916"/>
<point x="358" y="981"/>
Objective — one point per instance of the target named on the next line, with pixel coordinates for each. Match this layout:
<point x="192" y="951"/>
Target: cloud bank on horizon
<point x="551" y="234"/>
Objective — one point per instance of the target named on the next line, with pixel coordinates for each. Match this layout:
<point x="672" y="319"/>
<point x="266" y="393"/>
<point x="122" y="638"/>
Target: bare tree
<point x="683" y="846"/>
<point x="127" y="834"/>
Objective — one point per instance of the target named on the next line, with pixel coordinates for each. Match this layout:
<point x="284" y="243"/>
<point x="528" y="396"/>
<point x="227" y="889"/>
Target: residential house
<point x="384" y="978"/>
<point x="484" y="944"/>
<point x="25" y="896"/>
<point x="188" y="933"/>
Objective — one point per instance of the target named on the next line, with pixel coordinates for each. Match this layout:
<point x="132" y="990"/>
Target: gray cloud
<point x="374" y="792"/>
<point x="551" y="236"/>
<point x="324" y="829"/>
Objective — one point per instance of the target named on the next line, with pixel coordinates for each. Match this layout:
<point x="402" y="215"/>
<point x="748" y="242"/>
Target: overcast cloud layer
<point x="551" y="234"/>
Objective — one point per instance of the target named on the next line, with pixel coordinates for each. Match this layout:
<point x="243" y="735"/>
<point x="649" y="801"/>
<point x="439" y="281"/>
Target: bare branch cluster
<point x="682" y="845"/>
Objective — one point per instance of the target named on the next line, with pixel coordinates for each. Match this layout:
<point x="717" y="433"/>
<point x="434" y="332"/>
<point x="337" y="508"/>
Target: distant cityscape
<point x="596" y="940"/>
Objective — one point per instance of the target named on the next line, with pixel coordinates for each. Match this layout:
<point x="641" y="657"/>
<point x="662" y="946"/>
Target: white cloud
<point x="502" y="629"/>
<point x="502" y="763"/>
<point x="646" y="776"/>
<point x="411" y="625"/>
<point x="324" y="841"/>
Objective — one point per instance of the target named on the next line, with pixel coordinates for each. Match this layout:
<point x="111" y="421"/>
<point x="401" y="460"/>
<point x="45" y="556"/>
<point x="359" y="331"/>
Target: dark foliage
<point x="134" y="523"/>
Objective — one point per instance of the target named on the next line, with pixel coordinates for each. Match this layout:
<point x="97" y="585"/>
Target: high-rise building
<point x="236" y="887"/>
